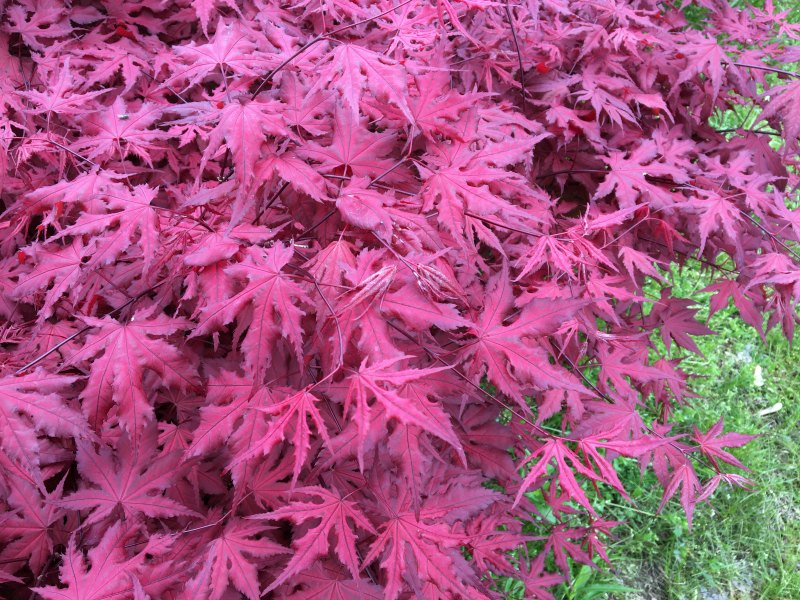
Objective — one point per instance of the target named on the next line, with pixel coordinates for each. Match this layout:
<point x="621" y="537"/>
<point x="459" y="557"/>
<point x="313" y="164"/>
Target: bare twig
<point x="318" y="39"/>
<point x="83" y="330"/>
<point x="519" y="56"/>
<point x="766" y="68"/>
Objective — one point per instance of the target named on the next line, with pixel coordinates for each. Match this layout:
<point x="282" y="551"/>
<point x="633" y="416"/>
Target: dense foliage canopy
<point x="324" y="298"/>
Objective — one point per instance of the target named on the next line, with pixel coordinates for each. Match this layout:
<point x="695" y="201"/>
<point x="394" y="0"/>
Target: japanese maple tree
<point x="314" y="299"/>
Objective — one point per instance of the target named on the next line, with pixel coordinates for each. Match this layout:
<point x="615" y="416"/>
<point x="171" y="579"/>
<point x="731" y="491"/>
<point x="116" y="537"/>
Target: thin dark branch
<point x="75" y="154"/>
<point x="166" y="87"/>
<point x="381" y="186"/>
<point x="519" y="56"/>
<point x="317" y="39"/>
<point x="771" y="235"/>
<point x="653" y="432"/>
<point x="375" y="181"/>
<point x="703" y="261"/>
<point x="472" y="384"/>
<point x="766" y="68"/>
<point x="317" y="224"/>
<point x="272" y="200"/>
<point x="570" y="171"/>
<point x="83" y="330"/>
<point x="742" y="129"/>
<point x="502" y="225"/>
<point x="339" y="333"/>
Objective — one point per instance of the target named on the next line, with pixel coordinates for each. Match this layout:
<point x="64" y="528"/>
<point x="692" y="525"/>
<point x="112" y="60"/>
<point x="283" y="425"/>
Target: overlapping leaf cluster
<point x="305" y="299"/>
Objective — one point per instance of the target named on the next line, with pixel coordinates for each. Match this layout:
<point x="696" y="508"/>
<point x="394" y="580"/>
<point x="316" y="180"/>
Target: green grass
<point x="742" y="544"/>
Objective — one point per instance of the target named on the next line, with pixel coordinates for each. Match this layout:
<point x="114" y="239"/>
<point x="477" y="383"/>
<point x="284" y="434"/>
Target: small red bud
<point x="542" y="68"/>
<point x="123" y="31"/>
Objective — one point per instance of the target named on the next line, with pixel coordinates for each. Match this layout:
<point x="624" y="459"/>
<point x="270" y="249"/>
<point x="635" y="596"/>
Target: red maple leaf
<point x="712" y="442"/>
<point x="351" y="70"/>
<point x="30" y="405"/>
<point x="290" y="418"/>
<point x="130" y="480"/>
<point x="228" y="559"/>
<point x="111" y="571"/>
<point x="271" y="298"/>
<point x="335" y="515"/>
<point x="512" y="361"/>
<point x="117" y="377"/>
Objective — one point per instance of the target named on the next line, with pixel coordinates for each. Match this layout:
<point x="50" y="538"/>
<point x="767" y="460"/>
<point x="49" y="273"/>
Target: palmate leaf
<point x="119" y="130"/>
<point x="57" y="269"/>
<point x="712" y="442"/>
<point x="428" y="540"/>
<point x="28" y="534"/>
<point x="129" y="480"/>
<point x="60" y="95"/>
<point x="228" y="560"/>
<point x="128" y="217"/>
<point x="110" y="570"/>
<point x="335" y="515"/>
<point x="117" y="377"/>
<point x="351" y="70"/>
<point x="233" y="50"/>
<point x="384" y="382"/>
<point x="352" y="149"/>
<point x="29" y="405"/>
<point x="291" y="419"/>
<point x="241" y="125"/>
<point x="558" y="453"/>
<point x="272" y="297"/>
<point x="628" y="177"/>
<point x="513" y="362"/>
